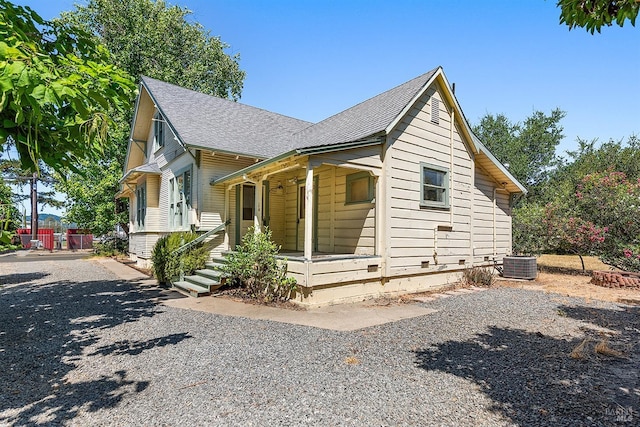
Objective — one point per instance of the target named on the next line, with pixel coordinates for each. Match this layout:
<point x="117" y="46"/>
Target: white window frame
<point x="180" y="199"/>
<point x="158" y="130"/>
<point x="141" y="205"/>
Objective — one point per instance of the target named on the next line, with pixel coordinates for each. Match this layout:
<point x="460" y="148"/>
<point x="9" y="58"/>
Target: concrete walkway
<point x="342" y="317"/>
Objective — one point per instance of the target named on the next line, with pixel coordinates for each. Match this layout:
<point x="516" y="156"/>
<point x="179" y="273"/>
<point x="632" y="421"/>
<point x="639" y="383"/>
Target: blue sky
<point x="312" y="59"/>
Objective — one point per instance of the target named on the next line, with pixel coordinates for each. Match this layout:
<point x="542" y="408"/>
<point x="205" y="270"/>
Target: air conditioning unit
<point x="519" y="267"/>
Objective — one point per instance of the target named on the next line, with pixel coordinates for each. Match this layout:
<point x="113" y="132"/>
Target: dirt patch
<point x="574" y="285"/>
<point x="236" y="295"/>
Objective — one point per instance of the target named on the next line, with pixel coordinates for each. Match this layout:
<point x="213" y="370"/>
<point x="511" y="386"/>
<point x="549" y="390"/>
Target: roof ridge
<point x="195" y="92"/>
<point x="407" y="83"/>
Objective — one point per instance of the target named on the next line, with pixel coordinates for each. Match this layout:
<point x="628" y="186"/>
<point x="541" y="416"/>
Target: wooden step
<point x="190" y="289"/>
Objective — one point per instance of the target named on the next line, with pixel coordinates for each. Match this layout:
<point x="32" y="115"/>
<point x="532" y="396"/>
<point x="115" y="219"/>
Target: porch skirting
<point x="360" y="290"/>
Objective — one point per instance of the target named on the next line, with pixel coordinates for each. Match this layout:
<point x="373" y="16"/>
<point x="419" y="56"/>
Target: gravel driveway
<point x="78" y="346"/>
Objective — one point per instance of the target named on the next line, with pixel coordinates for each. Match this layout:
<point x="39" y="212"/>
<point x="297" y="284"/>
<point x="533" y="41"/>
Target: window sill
<point x="361" y="202"/>
<point x="440" y="207"/>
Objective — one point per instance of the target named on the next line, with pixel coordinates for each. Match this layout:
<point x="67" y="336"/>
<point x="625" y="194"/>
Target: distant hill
<point x="45" y="216"/>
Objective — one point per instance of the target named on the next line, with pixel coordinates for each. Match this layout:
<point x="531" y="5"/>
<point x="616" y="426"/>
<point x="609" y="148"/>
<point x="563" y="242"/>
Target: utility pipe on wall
<point x="451" y="124"/>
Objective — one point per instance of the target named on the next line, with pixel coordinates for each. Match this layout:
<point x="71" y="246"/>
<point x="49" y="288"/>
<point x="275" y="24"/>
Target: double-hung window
<point x="434" y="186"/>
<point x="180" y="199"/>
<point x="158" y="130"/>
<point x="141" y="205"/>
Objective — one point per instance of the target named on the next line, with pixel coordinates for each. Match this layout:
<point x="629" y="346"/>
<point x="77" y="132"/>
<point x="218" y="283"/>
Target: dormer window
<point x="158" y="129"/>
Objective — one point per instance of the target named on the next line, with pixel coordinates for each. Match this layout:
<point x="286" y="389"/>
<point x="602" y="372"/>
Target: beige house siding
<point x="483" y="221"/>
<point x="420" y="235"/>
<point x="141" y="246"/>
<point x="211" y="199"/>
<point x="341" y="228"/>
<point x="276" y="211"/>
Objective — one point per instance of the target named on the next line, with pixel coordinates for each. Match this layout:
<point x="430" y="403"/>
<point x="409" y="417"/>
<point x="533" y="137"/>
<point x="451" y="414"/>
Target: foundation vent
<point x="519" y="267"/>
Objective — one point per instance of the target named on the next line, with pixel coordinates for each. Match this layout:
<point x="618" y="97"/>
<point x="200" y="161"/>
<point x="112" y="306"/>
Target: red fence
<point x="76" y="239"/>
<point x="79" y="241"/>
<point x="45" y="236"/>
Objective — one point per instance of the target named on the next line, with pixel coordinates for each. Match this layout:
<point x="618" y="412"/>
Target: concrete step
<point x="216" y="262"/>
<point x="190" y="289"/>
<point x="204" y="282"/>
<point x="209" y="274"/>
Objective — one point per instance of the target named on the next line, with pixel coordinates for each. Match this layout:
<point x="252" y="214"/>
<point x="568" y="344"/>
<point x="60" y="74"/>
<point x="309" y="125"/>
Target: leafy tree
<point x="529" y="233"/>
<point x="600" y="218"/>
<point x="58" y="90"/>
<point x="528" y="148"/>
<point x="621" y="156"/>
<point x="151" y="38"/>
<point x="14" y="175"/>
<point x="592" y="15"/>
<point x="9" y="216"/>
<point x="611" y="200"/>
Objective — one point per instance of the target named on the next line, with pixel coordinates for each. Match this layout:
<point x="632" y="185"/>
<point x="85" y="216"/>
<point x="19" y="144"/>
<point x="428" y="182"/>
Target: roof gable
<point x="366" y="119"/>
<point x="206" y="121"/>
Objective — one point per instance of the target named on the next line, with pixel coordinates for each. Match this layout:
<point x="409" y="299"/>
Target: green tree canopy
<point x="151" y="38"/>
<point x="592" y="15"/>
<point x="58" y="90"/>
<point x="528" y="148"/>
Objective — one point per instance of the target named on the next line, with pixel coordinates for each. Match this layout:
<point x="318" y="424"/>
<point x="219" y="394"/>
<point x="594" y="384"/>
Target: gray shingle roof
<point x="219" y="124"/>
<point x="365" y="119"/>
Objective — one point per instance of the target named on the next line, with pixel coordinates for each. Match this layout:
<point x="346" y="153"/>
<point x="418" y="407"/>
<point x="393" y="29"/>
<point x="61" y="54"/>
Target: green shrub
<point x="111" y="246"/>
<point x="167" y="266"/>
<point x="159" y="256"/>
<point x="256" y="270"/>
<point x="478" y="276"/>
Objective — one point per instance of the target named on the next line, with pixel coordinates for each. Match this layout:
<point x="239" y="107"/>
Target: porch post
<point x="226" y="216"/>
<point x="257" y="212"/>
<point x="308" y="213"/>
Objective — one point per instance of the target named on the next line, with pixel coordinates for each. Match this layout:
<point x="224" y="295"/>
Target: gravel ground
<point x="80" y="347"/>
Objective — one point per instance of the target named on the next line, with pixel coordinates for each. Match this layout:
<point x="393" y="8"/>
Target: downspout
<point x="495" y="254"/>
<point x="451" y="124"/>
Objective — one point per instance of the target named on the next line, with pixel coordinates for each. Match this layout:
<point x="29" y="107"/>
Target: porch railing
<point x="200" y="239"/>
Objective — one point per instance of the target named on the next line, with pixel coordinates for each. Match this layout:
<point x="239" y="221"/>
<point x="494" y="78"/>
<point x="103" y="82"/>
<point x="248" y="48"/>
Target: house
<point x="395" y="194"/>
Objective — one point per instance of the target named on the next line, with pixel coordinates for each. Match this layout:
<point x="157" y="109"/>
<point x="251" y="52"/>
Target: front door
<point x="301" y="214"/>
<point x="245" y="209"/>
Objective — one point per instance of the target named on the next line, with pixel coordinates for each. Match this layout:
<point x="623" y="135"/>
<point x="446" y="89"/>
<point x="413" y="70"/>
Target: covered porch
<point x="322" y="210"/>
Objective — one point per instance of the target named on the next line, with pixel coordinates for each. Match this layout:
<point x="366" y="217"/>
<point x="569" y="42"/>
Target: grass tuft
<point x="579" y="352"/>
<point x="603" y="348"/>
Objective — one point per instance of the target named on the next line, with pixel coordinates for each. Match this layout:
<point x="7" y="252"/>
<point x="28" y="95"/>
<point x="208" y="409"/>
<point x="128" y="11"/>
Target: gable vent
<point x="435" y="111"/>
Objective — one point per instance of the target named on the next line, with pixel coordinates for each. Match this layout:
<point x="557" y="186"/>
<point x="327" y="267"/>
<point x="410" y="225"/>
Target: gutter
<point x="300" y="152"/>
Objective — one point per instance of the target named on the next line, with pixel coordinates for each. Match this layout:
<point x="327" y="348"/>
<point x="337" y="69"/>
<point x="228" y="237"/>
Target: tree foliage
<point x="591" y="211"/>
<point x="528" y="148"/>
<point x="150" y="38"/>
<point x="592" y="15"/>
<point x="155" y="39"/>
<point x="58" y="89"/>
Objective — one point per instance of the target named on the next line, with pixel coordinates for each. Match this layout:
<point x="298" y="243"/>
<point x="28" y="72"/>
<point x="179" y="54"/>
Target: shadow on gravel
<point x="45" y="328"/>
<point x="133" y="348"/>
<point x="533" y="380"/>
<point x="18" y="278"/>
